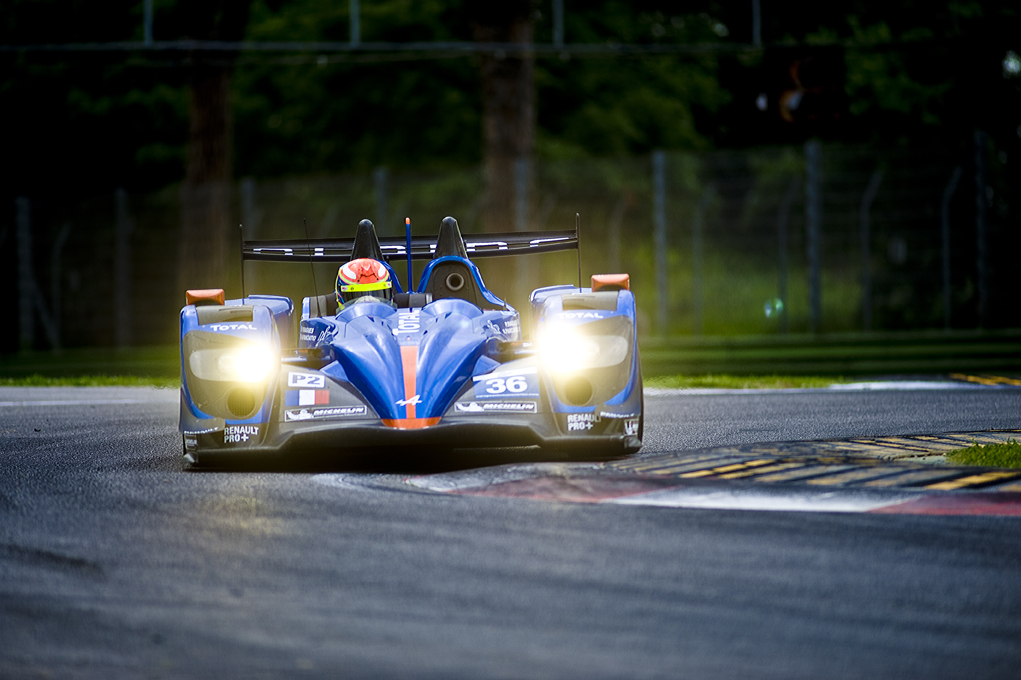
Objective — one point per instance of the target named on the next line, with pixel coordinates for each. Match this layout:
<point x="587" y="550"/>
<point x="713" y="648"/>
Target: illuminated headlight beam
<point x="566" y="350"/>
<point x="249" y="364"/>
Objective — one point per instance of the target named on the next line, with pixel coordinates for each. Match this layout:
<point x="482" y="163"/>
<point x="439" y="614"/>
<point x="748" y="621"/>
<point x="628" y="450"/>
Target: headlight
<point x="249" y="364"/>
<point x="565" y="349"/>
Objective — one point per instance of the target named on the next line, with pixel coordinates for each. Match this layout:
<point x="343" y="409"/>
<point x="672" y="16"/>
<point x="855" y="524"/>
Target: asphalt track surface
<point x="114" y="563"/>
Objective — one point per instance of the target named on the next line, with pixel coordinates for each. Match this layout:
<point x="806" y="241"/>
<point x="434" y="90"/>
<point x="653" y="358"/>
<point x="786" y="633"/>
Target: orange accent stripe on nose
<point x="409" y="363"/>
<point x="411" y="423"/>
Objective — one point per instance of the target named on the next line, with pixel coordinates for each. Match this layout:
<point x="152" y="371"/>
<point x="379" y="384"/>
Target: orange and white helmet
<point x="363" y="277"/>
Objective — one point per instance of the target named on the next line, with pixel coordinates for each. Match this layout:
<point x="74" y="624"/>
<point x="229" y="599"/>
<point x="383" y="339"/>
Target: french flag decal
<point x="306" y="397"/>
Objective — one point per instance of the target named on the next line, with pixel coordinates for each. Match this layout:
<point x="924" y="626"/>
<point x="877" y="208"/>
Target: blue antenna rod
<point x="407" y="236"/>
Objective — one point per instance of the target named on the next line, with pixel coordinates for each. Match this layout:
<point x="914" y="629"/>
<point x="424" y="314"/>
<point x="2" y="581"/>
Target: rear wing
<point x="422" y="248"/>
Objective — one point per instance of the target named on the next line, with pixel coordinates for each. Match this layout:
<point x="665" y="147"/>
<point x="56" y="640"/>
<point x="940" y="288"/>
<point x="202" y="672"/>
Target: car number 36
<point x="516" y="384"/>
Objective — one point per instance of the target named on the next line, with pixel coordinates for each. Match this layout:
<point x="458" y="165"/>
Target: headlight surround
<point x="228" y="376"/>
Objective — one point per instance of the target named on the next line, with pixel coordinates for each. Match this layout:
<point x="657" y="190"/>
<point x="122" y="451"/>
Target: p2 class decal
<point x="307" y="380"/>
<point x="239" y="434"/>
<point x="496" y="407"/>
<point x="292" y="415"/>
<point x="507" y="384"/>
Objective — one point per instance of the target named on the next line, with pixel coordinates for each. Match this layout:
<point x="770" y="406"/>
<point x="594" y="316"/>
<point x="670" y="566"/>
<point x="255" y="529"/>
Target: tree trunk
<point x="205" y="195"/>
<point x="207" y="256"/>
<point x="508" y="110"/>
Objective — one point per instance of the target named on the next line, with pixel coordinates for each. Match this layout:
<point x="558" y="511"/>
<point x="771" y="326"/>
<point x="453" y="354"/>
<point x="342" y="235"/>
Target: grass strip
<point x="1007" y="454"/>
<point x="741" y="382"/>
<point x="36" y="380"/>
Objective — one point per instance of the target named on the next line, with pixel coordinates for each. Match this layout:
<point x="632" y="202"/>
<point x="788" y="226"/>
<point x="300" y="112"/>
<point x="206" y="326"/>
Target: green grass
<point x="1007" y="454"/>
<point x="741" y="382"/>
<point x="93" y="367"/>
<point x="36" y="380"/>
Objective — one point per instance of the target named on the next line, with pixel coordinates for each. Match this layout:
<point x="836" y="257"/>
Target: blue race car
<point x="444" y="366"/>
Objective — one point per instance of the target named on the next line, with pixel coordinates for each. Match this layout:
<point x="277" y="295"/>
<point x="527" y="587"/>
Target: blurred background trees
<point x="82" y="124"/>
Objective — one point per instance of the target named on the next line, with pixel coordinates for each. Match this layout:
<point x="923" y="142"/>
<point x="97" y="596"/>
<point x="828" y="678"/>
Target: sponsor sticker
<point x="306" y="397"/>
<point x="497" y="407"/>
<point x="605" y="414"/>
<point x="190" y="441"/>
<point x="236" y="434"/>
<point x="581" y="421"/>
<point x="307" y="334"/>
<point x="408" y="322"/>
<point x="631" y="427"/>
<point x="232" y="326"/>
<point x="580" y="315"/>
<point x="330" y="412"/>
<point x="509" y="384"/>
<point x="305" y="380"/>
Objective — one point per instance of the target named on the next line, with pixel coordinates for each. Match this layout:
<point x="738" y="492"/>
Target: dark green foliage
<point x="915" y="74"/>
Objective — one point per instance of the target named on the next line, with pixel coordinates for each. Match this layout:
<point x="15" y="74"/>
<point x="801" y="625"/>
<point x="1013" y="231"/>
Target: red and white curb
<point x="592" y="484"/>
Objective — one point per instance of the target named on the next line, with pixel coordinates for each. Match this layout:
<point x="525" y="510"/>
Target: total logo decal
<point x="408" y="322"/>
<point x="235" y="434"/>
<point x="233" y="326"/>
<point x="581" y="421"/>
<point x="580" y="315"/>
<point x="331" y="412"/>
<point x="497" y="407"/>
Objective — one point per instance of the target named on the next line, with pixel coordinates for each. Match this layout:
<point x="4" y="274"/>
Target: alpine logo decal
<point x="330" y="412"/>
<point x="497" y="406"/>
<point x="413" y="401"/>
<point x="234" y="434"/>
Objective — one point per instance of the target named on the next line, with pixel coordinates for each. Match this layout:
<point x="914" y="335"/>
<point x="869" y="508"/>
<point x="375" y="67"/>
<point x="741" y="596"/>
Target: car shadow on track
<point x="405" y="461"/>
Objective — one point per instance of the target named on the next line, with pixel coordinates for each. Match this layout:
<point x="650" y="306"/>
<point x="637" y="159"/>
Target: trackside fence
<point x="815" y="239"/>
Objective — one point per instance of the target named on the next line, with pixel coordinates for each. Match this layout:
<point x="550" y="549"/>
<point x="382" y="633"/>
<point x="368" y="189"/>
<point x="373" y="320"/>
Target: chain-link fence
<point x="819" y="238"/>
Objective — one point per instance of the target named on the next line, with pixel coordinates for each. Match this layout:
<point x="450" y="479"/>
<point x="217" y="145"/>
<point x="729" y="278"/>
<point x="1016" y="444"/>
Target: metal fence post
<point x="613" y="235"/>
<point x="659" y="238"/>
<point x="26" y="287"/>
<point x="522" y="200"/>
<point x="813" y="220"/>
<point x="782" y="222"/>
<point x="356" y="23"/>
<point x="697" y="229"/>
<point x="55" y="272"/>
<point x="981" y="237"/>
<point x="122" y="271"/>
<point x="381" y="185"/>
<point x="944" y="213"/>
<point x="865" y="238"/>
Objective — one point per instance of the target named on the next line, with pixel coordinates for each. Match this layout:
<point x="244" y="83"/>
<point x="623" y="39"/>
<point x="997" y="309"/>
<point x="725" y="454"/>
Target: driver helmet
<point x="364" y="280"/>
